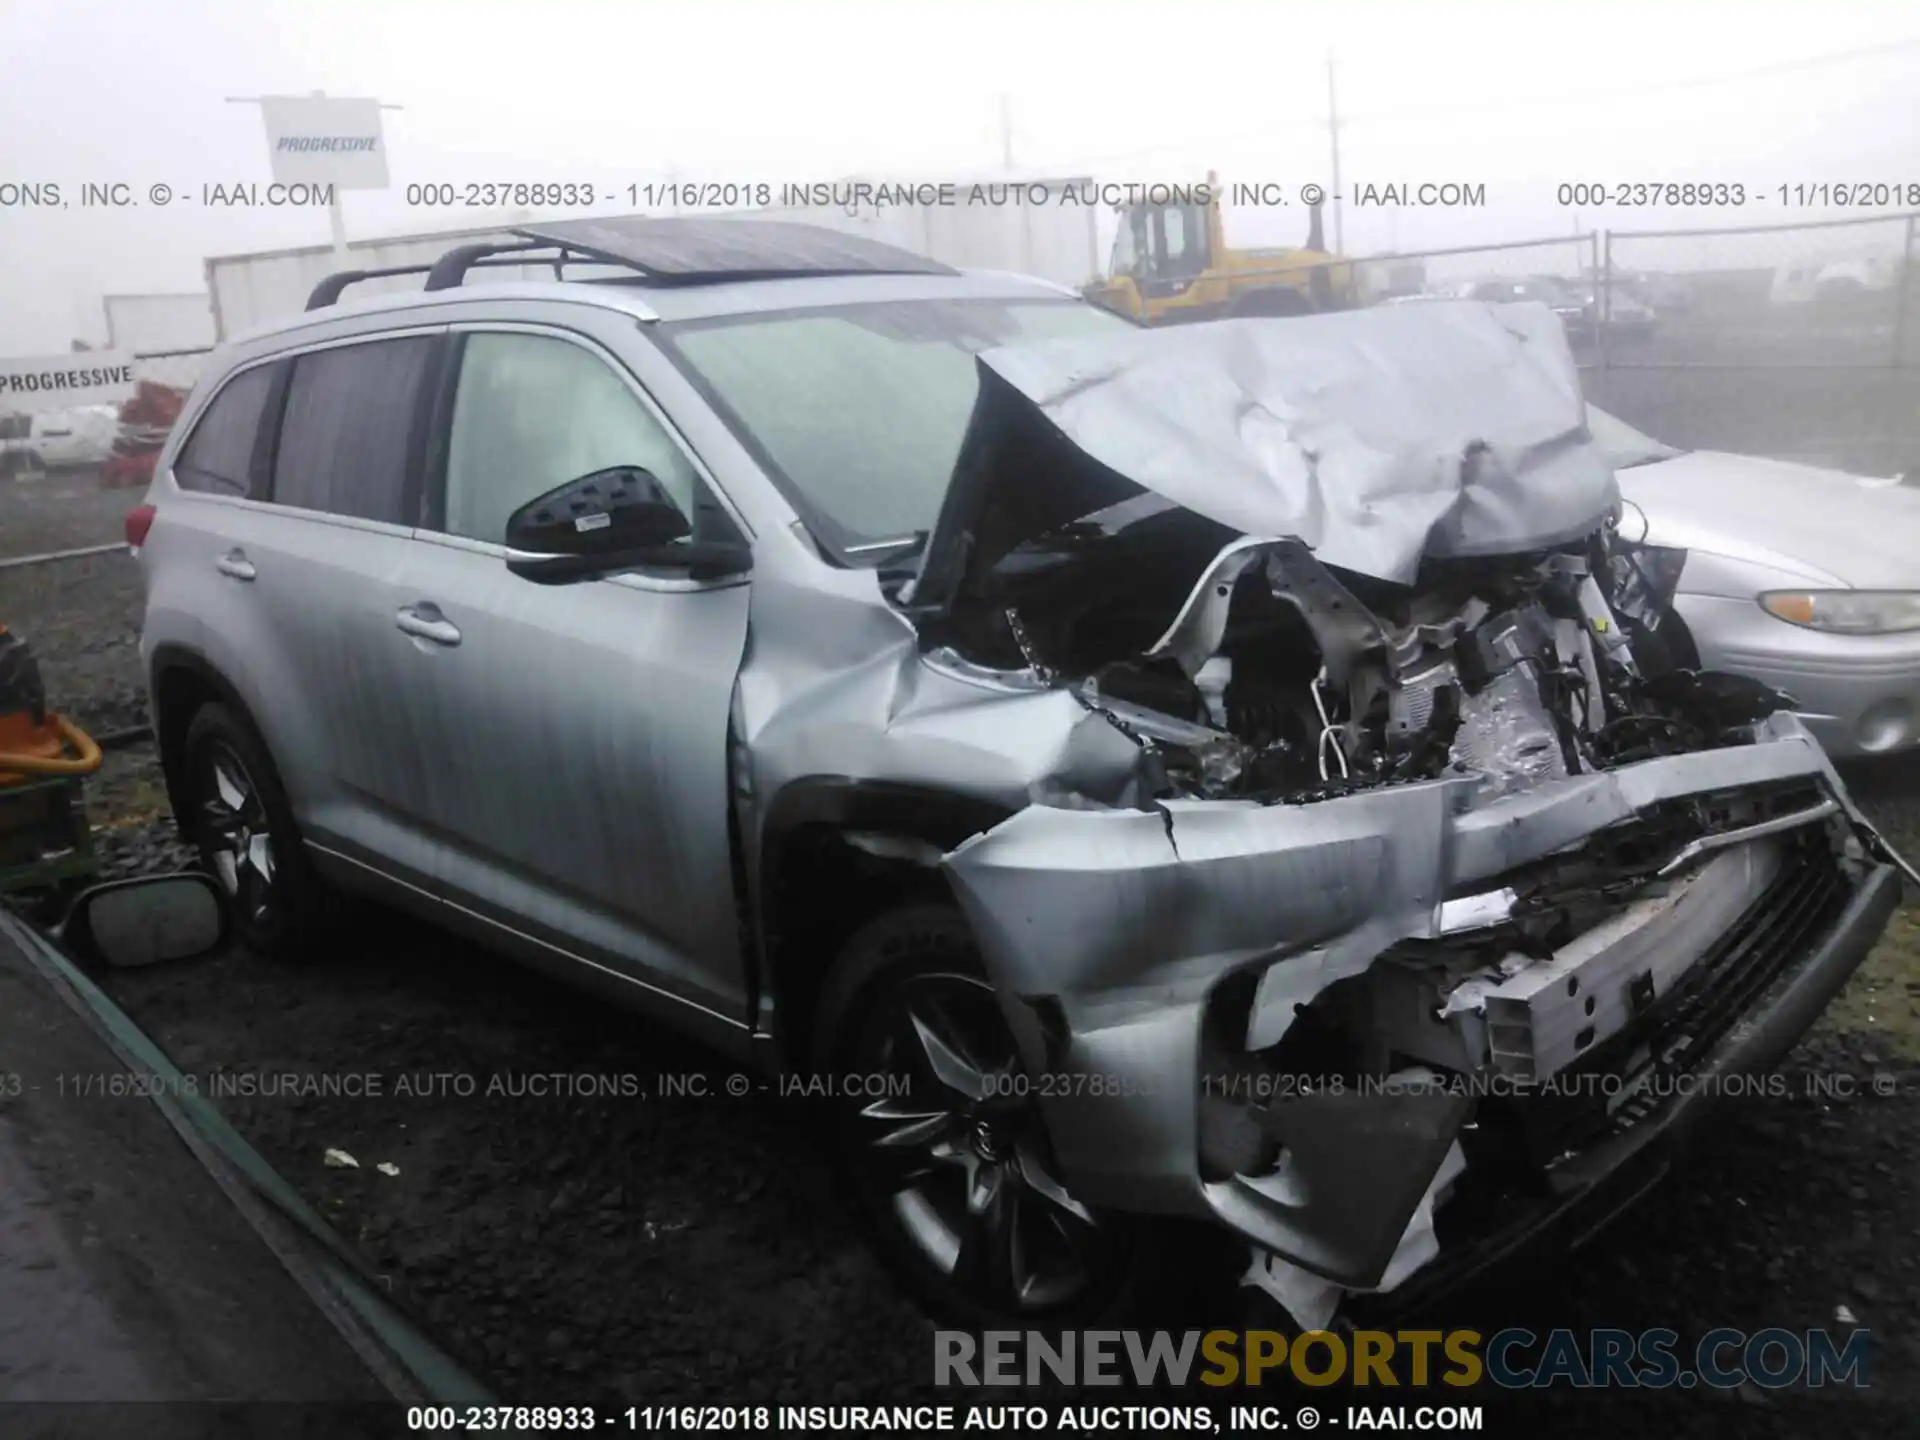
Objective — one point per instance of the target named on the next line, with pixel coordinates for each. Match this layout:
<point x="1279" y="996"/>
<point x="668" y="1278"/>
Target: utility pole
<point x="336" y="215"/>
<point x="1333" y="133"/>
<point x="1006" y="132"/>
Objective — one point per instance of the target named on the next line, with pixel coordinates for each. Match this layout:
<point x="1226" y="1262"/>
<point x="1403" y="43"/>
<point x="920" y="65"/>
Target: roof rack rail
<point x="446" y="273"/>
<point x="330" y="289"/>
<point x="678" y="250"/>
<point x="451" y="268"/>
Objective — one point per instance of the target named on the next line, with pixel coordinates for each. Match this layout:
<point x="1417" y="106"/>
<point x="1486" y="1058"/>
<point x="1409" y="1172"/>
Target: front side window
<point x="346" y="430"/>
<point x="1174" y="223"/>
<point x="218" y="457"/>
<point x="532" y="412"/>
<point x="1125" y="257"/>
<point x="1181" y="245"/>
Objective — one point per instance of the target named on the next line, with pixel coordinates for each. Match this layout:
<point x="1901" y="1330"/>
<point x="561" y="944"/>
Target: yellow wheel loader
<point x="1171" y="264"/>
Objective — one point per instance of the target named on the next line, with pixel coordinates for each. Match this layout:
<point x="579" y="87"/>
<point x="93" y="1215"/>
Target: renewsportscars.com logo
<point x="1511" y="1359"/>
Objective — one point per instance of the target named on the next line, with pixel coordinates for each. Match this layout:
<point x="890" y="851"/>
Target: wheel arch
<point x="182" y="680"/>
<point x="834" y="852"/>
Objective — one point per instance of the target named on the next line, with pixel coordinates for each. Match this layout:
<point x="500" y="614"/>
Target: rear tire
<point x="951" y="1176"/>
<point x="239" y="818"/>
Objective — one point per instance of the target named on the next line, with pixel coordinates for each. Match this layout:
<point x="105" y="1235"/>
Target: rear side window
<point x="345" y="437"/>
<point x="218" y="457"/>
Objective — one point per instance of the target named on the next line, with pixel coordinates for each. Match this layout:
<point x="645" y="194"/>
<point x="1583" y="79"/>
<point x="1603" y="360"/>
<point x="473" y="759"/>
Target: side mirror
<point x="622" y="508"/>
<point x="140" y="922"/>
<point x="608" y="520"/>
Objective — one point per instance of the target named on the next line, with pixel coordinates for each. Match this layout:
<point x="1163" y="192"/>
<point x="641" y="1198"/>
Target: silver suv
<point x="1234" y="773"/>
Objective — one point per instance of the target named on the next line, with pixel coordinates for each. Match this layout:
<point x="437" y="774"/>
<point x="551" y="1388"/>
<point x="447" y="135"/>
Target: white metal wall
<point x="253" y="290"/>
<point x="155" y="324"/>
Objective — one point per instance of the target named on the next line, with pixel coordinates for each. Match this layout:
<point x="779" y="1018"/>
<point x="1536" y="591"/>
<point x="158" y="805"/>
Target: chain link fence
<point x="1825" y="294"/>
<point x="1800" y="342"/>
<point x="1555" y="270"/>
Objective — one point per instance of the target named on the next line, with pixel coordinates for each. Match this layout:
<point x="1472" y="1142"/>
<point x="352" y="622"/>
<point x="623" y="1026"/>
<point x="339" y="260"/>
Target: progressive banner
<point x="39" y="384"/>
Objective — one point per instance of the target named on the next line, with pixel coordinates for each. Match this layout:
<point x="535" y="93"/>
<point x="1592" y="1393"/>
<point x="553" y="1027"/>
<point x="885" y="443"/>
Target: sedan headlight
<point x="1846" y="612"/>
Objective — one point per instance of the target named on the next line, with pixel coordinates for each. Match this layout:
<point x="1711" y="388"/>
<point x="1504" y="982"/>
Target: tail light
<point x="139" y="521"/>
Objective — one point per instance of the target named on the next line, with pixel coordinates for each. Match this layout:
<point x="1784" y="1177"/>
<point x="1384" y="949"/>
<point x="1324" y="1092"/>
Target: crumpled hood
<point x="1827" y="523"/>
<point x="1377" y="437"/>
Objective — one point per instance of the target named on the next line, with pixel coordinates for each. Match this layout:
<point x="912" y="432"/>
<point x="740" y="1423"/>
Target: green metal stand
<point x="45" y="841"/>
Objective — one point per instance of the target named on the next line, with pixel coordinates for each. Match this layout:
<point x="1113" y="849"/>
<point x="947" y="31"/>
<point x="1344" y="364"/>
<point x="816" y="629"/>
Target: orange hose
<point x="84" y="761"/>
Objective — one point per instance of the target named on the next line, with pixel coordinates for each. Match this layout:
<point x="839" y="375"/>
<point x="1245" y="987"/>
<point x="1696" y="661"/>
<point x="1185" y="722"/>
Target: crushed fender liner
<point x="1114" y="934"/>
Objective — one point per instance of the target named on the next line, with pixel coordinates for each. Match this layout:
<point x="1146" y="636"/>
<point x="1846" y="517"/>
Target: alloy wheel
<point x="957" y="1153"/>
<point x="236" y="836"/>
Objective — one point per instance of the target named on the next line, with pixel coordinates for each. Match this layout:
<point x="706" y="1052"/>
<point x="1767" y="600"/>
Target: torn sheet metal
<point x="1109" y="916"/>
<point x="1377" y="437"/>
<point x="1122" y="923"/>
<point x="1311" y="1300"/>
<point x="1542" y="1018"/>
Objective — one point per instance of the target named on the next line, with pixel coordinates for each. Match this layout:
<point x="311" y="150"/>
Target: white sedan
<point x="1806" y="579"/>
<point x="59" y="439"/>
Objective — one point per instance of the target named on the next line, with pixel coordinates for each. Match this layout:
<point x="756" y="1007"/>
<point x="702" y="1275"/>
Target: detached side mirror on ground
<point x="128" y="923"/>
<point x="610" y="520"/>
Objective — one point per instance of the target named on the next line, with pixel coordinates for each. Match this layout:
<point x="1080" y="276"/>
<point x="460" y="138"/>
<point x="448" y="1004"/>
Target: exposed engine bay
<point x="1296" y="561"/>
<point x="1281" y="679"/>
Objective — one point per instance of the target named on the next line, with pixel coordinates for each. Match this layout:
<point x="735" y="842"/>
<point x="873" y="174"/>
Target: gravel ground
<point x="575" y="1232"/>
<point x="64" y="510"/>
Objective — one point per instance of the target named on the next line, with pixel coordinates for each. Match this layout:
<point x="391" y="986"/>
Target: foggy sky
<point x="1518" y="97"/>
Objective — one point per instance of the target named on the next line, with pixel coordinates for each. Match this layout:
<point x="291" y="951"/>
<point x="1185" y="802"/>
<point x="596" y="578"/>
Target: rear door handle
<point x="426" y="622"/>
<point x="235" y="565"/>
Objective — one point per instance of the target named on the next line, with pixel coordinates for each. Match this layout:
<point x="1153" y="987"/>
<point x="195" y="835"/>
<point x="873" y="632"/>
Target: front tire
<point x="951" y="1170"/>
<point x="241" y="822"/>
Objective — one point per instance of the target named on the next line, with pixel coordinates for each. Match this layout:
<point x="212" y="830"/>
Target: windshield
<point x="859" y="410"/>
<point x="1624" y="446"/>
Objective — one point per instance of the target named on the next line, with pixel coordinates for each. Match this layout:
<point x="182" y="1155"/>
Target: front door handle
<point x="427" y="623"/>
<point x="235" y="565"/>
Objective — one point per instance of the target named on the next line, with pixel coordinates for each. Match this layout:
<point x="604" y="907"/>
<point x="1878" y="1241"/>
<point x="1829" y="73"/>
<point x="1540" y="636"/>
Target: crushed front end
<point x="1348" y="1027"/>
<point x="1438" y="891"/>
<point x="1355" y="985"/>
